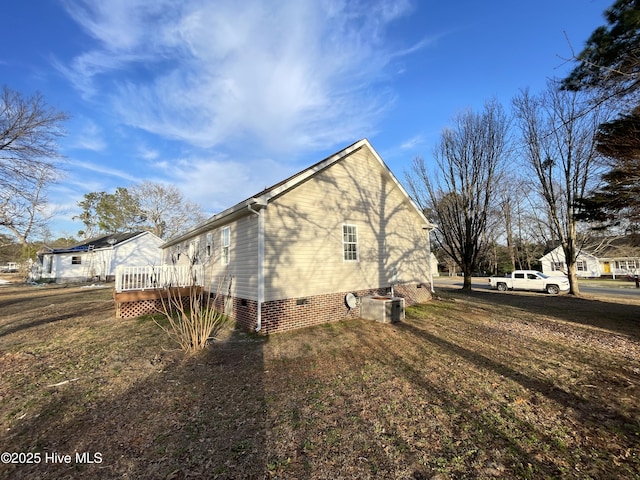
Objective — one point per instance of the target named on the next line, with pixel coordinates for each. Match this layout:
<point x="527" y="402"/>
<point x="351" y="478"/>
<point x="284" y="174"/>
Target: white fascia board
<point x="224" y="217"/>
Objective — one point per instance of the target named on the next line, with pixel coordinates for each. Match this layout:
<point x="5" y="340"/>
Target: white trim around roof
<point x="244" y="207"/>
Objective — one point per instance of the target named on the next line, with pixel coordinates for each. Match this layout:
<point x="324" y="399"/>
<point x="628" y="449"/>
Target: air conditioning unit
<point x="382" y="309"/>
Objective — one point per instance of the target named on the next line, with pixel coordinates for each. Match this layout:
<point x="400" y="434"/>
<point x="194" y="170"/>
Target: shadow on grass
<point x="493" y="426"/>
<point x="616" y="317"/>
<point x="30" y="309"/>
<point x="18" y="326"/>
<point x="201" y="416"/>
<point x="470" y="435"/>
<point x="588" y="410"/>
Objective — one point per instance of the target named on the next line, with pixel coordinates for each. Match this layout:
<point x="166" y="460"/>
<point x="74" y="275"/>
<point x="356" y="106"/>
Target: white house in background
<point x="98" y="258"/>
<point x="587" y="265"/>
<point x="434" y="266"/>
<point x="614" y="258"/>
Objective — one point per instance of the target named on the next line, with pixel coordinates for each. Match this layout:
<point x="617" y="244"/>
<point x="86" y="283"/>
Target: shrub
<point x="192" y="318"/>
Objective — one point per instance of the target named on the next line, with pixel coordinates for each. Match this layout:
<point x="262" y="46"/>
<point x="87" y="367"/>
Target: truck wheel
<point x="502" y="287"/>
<point x="553" y="289"/>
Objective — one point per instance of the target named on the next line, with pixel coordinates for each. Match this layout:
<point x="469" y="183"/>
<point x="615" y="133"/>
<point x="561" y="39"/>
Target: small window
<point x="225" y="241"/>
<point x="49" y="264"/>
<point x="76" y="260"/>
<point x="194" y="251"/>
<point x="350" y="243"/>
<point x="581" y="266"/>
<point x="208" y="244"/>
<point x="558" y="266"/>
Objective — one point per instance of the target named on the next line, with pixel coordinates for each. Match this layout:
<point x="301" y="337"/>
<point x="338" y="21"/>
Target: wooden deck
<point x="154" y="294"/>
<point x="135" y="303"/>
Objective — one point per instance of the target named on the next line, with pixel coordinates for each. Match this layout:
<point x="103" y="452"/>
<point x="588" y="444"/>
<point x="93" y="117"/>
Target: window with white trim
<point x="225" y="242"/>
<point x="581" y="266"/>
<point x="76" y="260"/>
<point x="557" y="266"/>
<point x="350" y="243"/>
<point x="626" y="264"/>
<point x="194" y="251"/>
<point x="208" y="244"/>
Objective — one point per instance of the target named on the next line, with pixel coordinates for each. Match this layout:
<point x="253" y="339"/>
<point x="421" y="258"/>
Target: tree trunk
<point x="467" y="271"/>
<point x="570" y="259"/>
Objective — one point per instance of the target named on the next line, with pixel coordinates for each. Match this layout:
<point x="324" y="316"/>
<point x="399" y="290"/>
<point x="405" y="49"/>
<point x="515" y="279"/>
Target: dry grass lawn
<point x="480" y="385"/>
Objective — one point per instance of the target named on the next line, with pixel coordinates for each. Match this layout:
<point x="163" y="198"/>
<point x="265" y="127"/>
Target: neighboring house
<point x="615" y="257"/>
<point x="97" y="258"/>
<point x="434" y="266"/>
<point x="10" y="267"/>
<point x="288" y="256"/>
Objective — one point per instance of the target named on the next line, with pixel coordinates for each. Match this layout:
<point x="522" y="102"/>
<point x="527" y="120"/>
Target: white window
<point x="557" y="266"/>
<point x="581" y="265"/>
<point x="350" y="243"/>
<point x="225" y="241"/>
<point x="194" y="251"/>
<point x="208" y="244"/>
<point x="76" y="260"/>
<point x="626" y="264"/>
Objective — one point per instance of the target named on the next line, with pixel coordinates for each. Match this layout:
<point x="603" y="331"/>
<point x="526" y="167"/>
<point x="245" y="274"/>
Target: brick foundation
<point x="277" y="315"/>
<point x="291" y="313"/>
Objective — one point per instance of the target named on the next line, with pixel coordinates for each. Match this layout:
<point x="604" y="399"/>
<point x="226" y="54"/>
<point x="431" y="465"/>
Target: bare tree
<point x="557" y="138"/>
<point x="459" y="194"/>
<point x="29" y="129"/>
<point x="165" y="208"/>
<point x="23" y="208"/>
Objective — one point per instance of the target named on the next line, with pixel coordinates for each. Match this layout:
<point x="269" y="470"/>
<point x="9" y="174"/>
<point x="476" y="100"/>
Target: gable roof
<point x="617" y="247"/>
<point x="102" y="241"/>
<point x="558" y="253"/>
<point x="261" y="199"/>
<point x="605" y="248"/>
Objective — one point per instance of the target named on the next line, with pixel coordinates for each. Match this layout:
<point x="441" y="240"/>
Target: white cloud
<point x="110" y="172"/>
<point x="280" y="75"/>
<point x="413" y="142"/>
<point x="88" y="136"/>
<point x="217" y="184"/>
<point x="148" y="153"/>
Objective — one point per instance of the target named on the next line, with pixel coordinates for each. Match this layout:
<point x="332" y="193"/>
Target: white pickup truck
<point x="530" y="280"/>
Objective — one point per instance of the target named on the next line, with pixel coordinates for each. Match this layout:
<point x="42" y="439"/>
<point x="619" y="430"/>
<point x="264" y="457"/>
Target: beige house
<point x="288" y="256"/>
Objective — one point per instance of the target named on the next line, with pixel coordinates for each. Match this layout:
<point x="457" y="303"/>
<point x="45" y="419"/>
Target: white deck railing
<point x="151" y="277"/>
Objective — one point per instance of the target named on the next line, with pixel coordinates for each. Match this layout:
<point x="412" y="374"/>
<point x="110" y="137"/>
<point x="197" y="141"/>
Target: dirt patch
<point x="477" y="385"/>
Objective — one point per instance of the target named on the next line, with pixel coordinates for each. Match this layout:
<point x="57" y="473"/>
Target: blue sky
<point x="224" y="98"/>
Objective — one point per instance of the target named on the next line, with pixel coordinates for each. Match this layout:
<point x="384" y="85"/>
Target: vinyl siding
<point x="142" y="250"/>
<point x="240" y="276"/>
<point x="303" y="233"/>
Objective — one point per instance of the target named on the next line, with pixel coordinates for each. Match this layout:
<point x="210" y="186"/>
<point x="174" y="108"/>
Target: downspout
<point x="260" y="262"/>
<point x="428" y="230"/>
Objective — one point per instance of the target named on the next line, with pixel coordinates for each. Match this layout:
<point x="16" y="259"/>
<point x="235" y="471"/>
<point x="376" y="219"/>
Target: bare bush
<point x="191" y="315"/>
